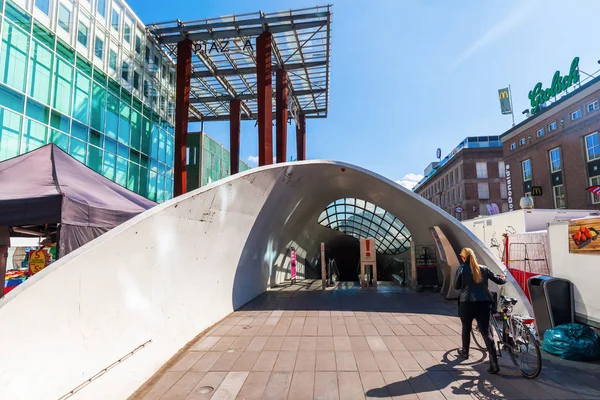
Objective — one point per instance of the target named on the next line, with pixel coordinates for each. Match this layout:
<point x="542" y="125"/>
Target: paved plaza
<point x="298" y="342"/>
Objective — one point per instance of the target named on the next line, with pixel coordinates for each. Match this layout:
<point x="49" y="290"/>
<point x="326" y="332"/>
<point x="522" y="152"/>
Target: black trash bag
<point x="574" y="342"/>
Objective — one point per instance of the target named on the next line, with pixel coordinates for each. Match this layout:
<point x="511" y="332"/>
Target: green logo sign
<point x="537" y="96"/>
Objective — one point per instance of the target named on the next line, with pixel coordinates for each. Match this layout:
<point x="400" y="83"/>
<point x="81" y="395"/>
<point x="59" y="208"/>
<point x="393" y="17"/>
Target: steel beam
<point x="243" y="32"/>
<point x="281" y="114"/>
<point x="301" y="138"/>
<point x="264" y="88"/>
<point x="225" y="117"/>
<point x="235" y="118"/>
<point x="252" y="70"/>
<point x="182" y="104"/>
<point x="251" y="96"/>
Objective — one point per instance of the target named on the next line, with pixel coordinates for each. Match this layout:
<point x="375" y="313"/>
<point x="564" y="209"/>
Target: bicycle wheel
<point x="526" y="354"/>
<point x="477" y="338"/>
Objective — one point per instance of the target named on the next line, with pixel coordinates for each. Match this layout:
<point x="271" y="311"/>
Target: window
<point x="136" y="80"/>
<point x="483" y="190"/>
<point x="559" y="196"/>
<point x="592" y="146"/>
<point x="552" y="126"/>
<point x="82" y="34"/>
<point x="503" y="191"/>
<point x="540" y="132"/>
<point x="99" y="48"/>
<point x="526" y="170"/>
<point x="125" y="71"/>
<point x="593" y="106"/>
<point x="64" y="18"/>
<point x="101" y="7"/>
<point x="115" y="19"/>
<point x="501" y="169"/>
<point x="138" y="44"/>
<point x="147" y="57"/>
<point x="523" y="142"/>
<point x="481" y="170"/>
<point x="127" y="33"/>
<point x="593" y="182"/>
<point x="513" y="146"/>
<point x="112" y="60"/>
<point x="576" y="115"/>
<point x="555" y="164"/>
<point x="43" y="6"/>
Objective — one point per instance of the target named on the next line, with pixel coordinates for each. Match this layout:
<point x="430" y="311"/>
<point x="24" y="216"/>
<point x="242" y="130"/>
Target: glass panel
<point x="17" y="15"/>
<point x="78" y="150"/>
<point x="65" y="51"/>
<point x="96" y="138"/>
<point x="133" y="179"/>
<point x="98" y="107"/>
<point x="64" y="17"/>
<point x="40" y="73"/>
<point x="63" y="85"/>
<point x="127" y="33"/>
<point x="122" y="166"/>
<point x="170" y="155"/>
<point x="43" y="6"/>
<point x="124" y="128"/>
<point x="80" y="131"/>
<point x="143" y="190"/>
<point x="125" y="71"/>
<point x="108" y="165"/>
<point x="136" y="130"/>
<point x="146" y="136"/>
<point x="82" y="34"/>
<point x="82" y="98"/>
<point x="115" y="20"/>
<point x="38" y="111"/>
<point x="44" y="35"/>
<point x="13" y="57"/>
<point x="112" y="60"/>
<point x="99" y="48"/>
<point x="11" y="99"/>
<point x="34" y="135"/>
<point x="101" y="7"/>
<point x="60" y="139"/>
<point x="123" y="151"/>
<point x="110" y="145"/>
<point x="112" y="117"/>
<point x="10" y="128"/>
<point x="94" y="160"/>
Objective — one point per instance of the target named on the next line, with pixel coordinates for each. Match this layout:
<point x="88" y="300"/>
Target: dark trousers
<point x="479" y="311"/>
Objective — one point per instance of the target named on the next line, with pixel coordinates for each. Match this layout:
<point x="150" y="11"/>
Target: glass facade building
<point x="83" y="75"/>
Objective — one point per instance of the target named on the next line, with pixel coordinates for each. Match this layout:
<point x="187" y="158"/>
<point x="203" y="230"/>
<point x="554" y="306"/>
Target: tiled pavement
<point x="301" y="343"/>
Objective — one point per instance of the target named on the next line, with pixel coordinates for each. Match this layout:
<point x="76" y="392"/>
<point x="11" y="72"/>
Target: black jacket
<point x="470" y="290"/>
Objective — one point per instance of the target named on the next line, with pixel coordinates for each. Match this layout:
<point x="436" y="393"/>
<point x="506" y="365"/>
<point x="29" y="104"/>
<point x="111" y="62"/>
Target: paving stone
<point x="254" y="386"/>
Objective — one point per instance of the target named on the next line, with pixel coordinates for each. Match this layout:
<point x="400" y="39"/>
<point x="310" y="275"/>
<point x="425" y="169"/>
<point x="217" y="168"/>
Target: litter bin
<point x="552" y="302"/>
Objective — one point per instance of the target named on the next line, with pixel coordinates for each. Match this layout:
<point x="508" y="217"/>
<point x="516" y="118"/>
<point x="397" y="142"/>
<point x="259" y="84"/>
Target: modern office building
<point x="554" y="154"/>
<point x="468" y="182"/>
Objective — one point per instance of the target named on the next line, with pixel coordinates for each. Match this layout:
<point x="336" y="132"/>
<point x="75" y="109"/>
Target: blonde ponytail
<point x="475" y="270"/>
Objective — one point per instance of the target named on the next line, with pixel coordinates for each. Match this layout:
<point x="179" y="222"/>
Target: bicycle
<point x="516" y="337"/>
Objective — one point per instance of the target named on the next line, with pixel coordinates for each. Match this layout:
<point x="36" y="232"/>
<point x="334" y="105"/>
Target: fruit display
<point x="584" y="236"/>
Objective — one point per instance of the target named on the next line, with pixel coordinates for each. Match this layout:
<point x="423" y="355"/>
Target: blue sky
<point x="409" y="76"/>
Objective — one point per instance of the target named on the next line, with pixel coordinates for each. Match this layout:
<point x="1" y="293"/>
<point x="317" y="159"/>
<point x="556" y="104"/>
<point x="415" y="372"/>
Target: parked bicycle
<point x="514" y="334"/>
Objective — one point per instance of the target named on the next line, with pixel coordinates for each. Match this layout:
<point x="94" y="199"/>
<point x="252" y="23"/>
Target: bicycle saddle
<point x="509" y="300"/>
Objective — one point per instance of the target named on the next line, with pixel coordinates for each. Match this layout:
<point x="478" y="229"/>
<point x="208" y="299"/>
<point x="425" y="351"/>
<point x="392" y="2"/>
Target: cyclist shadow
<point x="452" y="376"/>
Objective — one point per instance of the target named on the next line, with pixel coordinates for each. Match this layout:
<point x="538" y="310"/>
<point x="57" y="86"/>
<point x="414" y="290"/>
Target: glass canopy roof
<point x="361" y="219"/>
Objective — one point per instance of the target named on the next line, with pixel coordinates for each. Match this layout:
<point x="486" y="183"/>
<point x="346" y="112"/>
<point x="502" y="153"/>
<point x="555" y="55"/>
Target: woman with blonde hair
<point x="475" y="302"/>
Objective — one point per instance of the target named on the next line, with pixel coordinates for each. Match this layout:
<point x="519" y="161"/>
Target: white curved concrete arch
<point x="173" y="271"/>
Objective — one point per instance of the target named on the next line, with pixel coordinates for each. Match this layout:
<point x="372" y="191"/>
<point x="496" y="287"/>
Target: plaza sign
<point x="539" y="96"/>
<point x="224" y="46"/>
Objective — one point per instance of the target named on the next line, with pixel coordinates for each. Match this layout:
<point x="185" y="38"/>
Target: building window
<point x="513" y="146"/>
<point x="593" y="106"/>
<point x="115" y="19"/>
<point x="99" y="48"/>
<point x="503" y="191"/>
<point x="138" y="44"/>
<point x="526" y="170"/>
<point x="522" y="142"/>
<point x="43" y="6"/>
<point x="483" y="191"/>
<point x="481" y="170"/>
<point x="147" y="56"/>
<point x="595" y="180"/>
<point x="540" y="132"/>
<point x="552" y="126"/>
<point x="555" y="164"/>
<point x="576" y="115"/>
<point x="101" y="7"/>
<point x="64" y="18"/>
<point x="559" y="196"/>
<point x="592" y="146"/>
<point x="136" y="80"/>
<point x="125" y="71"/>
<point x="127" y="33"/>
<point x="82" y="34"/>
<point x="112" y="60"/>
<point x="501" y="169"/>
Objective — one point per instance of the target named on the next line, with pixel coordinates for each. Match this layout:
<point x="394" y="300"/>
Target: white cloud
<point x="253" y="160"/>
<point x="409" y="181"/>
<point x="497" y="31"/>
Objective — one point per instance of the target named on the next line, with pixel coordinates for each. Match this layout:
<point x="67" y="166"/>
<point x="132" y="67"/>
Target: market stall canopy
<point x="48" y="186"/>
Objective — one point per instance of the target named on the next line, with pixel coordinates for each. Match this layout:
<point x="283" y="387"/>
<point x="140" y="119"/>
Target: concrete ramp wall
<point x="168" y="274"/>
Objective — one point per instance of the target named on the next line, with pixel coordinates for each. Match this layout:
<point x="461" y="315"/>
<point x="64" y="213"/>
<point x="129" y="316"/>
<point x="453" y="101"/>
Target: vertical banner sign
<point x="293" y="264"/>
<point x="323" y="272"/>
<point x="509" y="188"/>
<point x="504" y="96"/>
<point x="37" y="261"/>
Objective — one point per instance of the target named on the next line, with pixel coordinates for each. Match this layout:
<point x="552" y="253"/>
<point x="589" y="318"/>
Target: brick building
<point x="558" y="150"/>
<point x="471" y="177"/>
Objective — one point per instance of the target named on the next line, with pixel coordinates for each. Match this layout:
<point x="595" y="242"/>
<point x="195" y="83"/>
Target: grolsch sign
<point x="538" y="96"/>
<point x="509" y="188"/>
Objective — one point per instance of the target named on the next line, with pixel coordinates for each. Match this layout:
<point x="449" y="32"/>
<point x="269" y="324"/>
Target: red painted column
<point x="281" y="114"/>
<point x="182" y="105"/>
<point x="301" y="137"/>
<point x="235" y="119"/>
<point x="264" y="84"/>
